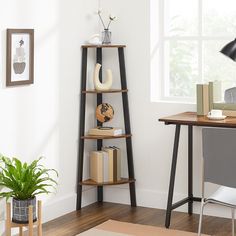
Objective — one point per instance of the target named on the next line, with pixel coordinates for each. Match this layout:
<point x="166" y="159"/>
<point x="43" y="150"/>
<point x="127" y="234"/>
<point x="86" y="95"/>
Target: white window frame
<point x="160" y="75"/>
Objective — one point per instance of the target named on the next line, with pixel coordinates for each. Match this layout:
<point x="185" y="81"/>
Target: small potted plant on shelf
<point x="23" y="182"/>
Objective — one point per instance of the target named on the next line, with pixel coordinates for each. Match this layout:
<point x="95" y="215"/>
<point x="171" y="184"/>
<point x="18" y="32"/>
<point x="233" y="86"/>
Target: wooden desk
<point x="190" y="119"/>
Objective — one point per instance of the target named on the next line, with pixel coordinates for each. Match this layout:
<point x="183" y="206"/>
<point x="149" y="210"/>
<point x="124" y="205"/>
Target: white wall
<point x="152" y="140"/>
<point x="42" y="119"/>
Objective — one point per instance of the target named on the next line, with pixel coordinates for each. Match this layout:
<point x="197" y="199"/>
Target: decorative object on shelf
<point x="104" y="112"/>
<point x="106" y="34"/>
<point x="24" y="181"/>
<point x="20" y="57"/>
<point x="95" y="39"/>
<point x="105" y="131"/>
<point x="97" y="84"/>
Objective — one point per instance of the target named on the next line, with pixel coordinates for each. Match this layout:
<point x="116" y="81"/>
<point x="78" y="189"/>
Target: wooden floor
<point x="90" y="216"/>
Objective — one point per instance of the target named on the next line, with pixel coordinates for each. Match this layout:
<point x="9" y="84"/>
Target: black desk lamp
<point x="229" y="50"/>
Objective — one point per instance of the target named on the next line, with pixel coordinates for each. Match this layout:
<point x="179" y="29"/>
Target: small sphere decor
<point x="104" y="112"/>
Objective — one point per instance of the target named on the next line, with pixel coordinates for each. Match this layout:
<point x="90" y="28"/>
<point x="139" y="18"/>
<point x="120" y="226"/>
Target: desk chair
<point x="219" y="167"/>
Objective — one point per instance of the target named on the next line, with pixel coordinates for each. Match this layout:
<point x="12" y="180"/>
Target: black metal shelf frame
<point x="100" y="142"/>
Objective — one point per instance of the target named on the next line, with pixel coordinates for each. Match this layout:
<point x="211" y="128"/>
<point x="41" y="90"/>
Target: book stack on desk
<point x="202" y="99"/>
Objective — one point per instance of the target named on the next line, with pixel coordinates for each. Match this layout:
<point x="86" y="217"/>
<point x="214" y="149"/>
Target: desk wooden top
<point x="191" y="118"/>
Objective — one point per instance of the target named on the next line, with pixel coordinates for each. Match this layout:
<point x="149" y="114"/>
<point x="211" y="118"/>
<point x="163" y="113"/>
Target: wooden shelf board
<point x="105" y="137"/>
<point x="15" y="225"/>
<point x="108" y="91"/>
<point x="103" y="46"/>
<point x="93" y="183"/>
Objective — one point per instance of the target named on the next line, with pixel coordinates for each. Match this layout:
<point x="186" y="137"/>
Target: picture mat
<point x="15" y="44"/>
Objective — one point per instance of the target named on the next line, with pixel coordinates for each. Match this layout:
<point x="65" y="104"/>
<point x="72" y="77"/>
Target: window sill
<point x="173" y="102"/>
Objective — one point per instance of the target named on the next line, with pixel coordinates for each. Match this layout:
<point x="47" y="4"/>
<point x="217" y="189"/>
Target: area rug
<point x="117" y="228"/>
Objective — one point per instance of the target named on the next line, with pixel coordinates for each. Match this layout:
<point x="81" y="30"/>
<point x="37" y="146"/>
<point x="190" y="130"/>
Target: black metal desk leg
<point x="172" y="176"/>
<point x="190" y="169"/>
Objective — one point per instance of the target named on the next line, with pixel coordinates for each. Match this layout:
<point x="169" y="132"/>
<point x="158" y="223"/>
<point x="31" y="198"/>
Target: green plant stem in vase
<point x="23" y="182"/>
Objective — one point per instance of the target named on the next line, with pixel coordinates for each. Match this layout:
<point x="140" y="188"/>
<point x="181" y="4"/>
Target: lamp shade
<point x="229" y="50"/>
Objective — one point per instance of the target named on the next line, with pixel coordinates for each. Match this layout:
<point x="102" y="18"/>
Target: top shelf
<point x="103" y="46"/>
<point x="108" y="91"/>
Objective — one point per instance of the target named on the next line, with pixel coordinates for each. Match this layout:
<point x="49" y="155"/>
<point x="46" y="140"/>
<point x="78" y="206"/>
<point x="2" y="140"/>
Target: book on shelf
<point x="105" y="165"/>
<point x="105" y="131"/>
<point x="114" y="157"/>
<point x="96" y="166"/>
<point x="202" y="99"/>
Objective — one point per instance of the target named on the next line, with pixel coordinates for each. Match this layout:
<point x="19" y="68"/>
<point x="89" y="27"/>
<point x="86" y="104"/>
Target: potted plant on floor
<point x="23" y="182"/>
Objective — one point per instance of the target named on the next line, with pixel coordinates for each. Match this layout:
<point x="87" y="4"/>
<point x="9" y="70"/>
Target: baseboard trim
<point x="118" y="194"/>
<point x="67" y="204"/>
<point x="158" y="199"/>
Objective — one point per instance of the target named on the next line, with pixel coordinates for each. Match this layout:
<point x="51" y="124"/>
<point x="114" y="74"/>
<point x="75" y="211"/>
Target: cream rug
<point x="117" y="228"/>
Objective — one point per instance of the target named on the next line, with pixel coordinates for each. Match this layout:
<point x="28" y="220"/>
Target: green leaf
<point x="25" y="180"/>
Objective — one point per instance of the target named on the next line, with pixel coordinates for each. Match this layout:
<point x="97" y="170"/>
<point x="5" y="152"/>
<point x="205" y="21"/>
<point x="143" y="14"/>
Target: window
<point x="185" y="47"/>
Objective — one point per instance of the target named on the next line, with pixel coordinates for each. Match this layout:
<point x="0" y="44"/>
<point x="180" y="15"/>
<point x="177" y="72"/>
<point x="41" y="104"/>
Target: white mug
<point x="215" y="113"/>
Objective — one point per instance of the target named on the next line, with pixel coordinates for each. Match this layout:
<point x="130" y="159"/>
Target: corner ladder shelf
<point x="82" y="137"/>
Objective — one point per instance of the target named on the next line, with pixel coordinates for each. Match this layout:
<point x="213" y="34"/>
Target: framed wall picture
<point x="20" y="57"/>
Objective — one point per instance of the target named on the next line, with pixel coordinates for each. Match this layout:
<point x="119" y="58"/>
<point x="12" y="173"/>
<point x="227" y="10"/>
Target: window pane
<point x="181" y="17"/>
<point x="181" y="68"/>
<point x="219" y="17"/>
<point x="216" y="66"/>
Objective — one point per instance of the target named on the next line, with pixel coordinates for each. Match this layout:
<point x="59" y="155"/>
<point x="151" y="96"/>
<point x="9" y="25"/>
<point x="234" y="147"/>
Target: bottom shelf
<point x="93" y="183"/>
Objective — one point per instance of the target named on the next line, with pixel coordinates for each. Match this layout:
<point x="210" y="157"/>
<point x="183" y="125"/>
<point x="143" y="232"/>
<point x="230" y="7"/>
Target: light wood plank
<point x="40" y="218"/>
<point x="93" y="183"/>
<point x="191" y="118"/>
<point x="95" y="214"/>
<point x="103" y="46"/>
<point x="106" y="137"/>
<point x="31" y="224"/>
<point x="108" y="91"/>
<point x="8" y="219"/>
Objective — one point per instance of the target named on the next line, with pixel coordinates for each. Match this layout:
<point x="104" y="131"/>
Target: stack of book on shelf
<point x="202" y="99"/>
<point x="105" y="131"/>
<point x="105" y="165"/>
